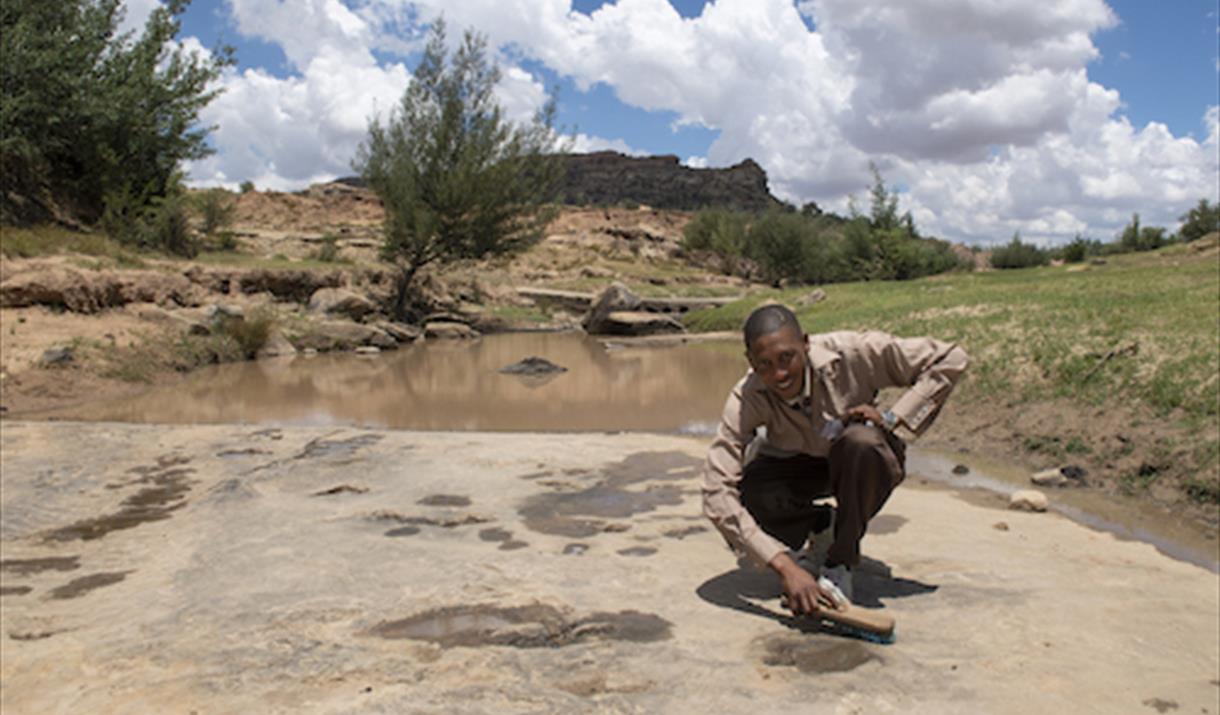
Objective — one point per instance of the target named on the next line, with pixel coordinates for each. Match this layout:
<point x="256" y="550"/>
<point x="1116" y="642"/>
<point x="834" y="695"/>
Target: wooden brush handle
<point x="862" y="618"/>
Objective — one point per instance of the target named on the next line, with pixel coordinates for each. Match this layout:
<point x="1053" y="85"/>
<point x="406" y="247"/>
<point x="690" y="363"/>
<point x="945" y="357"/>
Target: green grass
<point x="1042" y="333"/>
<point x="276" y="262"/>
<point x="517" y="314"/>
<point x="50" y="240"/>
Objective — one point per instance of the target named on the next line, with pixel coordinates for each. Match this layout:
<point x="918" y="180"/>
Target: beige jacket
<point x="847" y="369"/>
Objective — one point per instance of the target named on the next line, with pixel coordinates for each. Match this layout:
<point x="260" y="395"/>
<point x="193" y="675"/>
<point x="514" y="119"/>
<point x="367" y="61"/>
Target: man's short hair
<point x="767" y="319"/>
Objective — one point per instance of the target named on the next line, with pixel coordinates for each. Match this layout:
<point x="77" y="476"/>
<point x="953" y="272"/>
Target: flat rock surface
<point x="253" y="569"/>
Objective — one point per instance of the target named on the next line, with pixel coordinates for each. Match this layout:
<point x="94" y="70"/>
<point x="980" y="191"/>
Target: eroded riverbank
<point x="229" y="568"/>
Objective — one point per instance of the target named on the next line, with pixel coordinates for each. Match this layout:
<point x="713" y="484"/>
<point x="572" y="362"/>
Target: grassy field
<point x="1140" y="333"/>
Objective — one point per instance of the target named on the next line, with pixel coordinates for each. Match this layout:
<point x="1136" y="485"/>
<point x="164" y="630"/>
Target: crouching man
<point x="822" y="436"/>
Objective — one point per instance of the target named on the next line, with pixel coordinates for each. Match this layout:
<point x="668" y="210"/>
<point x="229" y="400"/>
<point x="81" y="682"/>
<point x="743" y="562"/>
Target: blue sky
<point x="992" y="116"/>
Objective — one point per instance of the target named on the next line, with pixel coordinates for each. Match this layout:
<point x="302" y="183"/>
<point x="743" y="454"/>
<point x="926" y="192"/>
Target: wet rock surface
<point x="531" y="366"/>
<point x="251" y="574"/>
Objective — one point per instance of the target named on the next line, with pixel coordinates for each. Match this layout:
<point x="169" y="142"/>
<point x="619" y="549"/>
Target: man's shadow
<point x="872" y="581"/>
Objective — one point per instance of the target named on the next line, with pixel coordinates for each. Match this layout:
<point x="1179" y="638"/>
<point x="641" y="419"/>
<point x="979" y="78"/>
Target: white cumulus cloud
<point x="983" y="110"/>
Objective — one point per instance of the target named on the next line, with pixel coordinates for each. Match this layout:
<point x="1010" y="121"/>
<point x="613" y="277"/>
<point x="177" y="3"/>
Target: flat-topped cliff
<point x="608" y="177"/>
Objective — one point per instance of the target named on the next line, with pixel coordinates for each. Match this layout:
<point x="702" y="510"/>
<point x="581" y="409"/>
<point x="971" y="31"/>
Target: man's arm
<point x="929" y="368"/>
<point x="722" y="475"/>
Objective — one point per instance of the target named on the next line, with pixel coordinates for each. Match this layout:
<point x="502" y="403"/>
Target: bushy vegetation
<point x="230" y="338"/>
<point x="1141" y="238"/>
<point x="457" y="179"/>
<point x="1203" y="219"/>
<point x="809" y="246"/>
<point x="1019" y="255"/>
<point x="93" y="122"/>
<point x="1134" y="238"/>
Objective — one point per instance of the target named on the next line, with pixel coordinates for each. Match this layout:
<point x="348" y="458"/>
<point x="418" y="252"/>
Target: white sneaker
<point x="837" y="580"/>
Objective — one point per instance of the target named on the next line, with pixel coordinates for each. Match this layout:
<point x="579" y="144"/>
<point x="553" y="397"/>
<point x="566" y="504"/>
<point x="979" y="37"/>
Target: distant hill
<point x="608" y="178"/>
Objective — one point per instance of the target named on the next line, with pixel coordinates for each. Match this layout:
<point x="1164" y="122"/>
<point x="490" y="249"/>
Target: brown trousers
<point x="864" y="466"/>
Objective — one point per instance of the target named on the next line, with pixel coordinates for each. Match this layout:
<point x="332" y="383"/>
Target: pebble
<point x="368" y="350"/>
<point x="961" y="469"/>
<point x="58" y="355"/>
<point x="1028" y="500"/>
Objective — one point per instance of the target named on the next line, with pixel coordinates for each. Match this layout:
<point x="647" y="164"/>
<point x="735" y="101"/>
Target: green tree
<point x="719" y="231"/>
<point x="87" y="114"/>
<point x="883" y="214"/>
<point x="1079" y="249"/>
<point x="777" y="243"/>
<point x="1141" y="238"/>
<point x="1019" y="255"/>
<point x="1200" y="221"/>
<point x="457" y="179"/>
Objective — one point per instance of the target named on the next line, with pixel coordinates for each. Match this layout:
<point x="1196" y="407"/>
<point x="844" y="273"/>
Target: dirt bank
<point x="227" y="569"/>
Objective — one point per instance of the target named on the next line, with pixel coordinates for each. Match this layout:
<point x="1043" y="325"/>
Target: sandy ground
<point x="246" y="569"/>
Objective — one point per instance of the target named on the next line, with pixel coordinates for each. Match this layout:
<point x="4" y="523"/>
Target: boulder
<point x="533" y="365"/>
<point x="638" y="322"/>
<point x="446" y="330"/>
<point x="327" y="335"/>
<point x="1028" y="500"/>
<point x="615" y="298"/>
<point x="184" y="321"/>
<point x="1069" y="476"/>
<point x="277" y="346"/>
<point x="340" y="301"/>
<point x="401" y="332"/>
<point x="817" y="296"/>
<point x="92" y="291"/>
<point x="157" y="287"/>
<point x="219" y="311"/>
<point x="1049" y="478"/>
<point x="77" y="291"/>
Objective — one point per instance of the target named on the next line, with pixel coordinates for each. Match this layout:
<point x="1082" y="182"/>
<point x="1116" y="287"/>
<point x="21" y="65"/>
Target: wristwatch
<point x="889" y="419"/>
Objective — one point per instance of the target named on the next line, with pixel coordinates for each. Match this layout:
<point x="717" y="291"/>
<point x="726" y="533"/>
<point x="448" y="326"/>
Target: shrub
<point x="1200" y="221"/>
<point x="1079" y="249"/>
<point x="328" y="251"/>
<point x="720" y="231"/>
<point x="216" y="210"/>
<point x="1145" y="238"/>
<point x="249" y="334"/>
<point x="246" y="186"/>
<point x="776" y="243"/>
<point x="1019" y="255"/>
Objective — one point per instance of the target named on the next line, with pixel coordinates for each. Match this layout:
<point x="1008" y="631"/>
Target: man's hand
<point x="863" y="413"/>
<point x="804" y="596"/>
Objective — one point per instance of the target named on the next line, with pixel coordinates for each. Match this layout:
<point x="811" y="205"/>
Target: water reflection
<point x="455" y="385"/>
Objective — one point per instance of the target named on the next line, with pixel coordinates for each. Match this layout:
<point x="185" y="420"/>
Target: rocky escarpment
<point x="608" y="177"/>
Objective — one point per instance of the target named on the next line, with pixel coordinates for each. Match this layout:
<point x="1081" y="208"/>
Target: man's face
<point x="779" y="359"/>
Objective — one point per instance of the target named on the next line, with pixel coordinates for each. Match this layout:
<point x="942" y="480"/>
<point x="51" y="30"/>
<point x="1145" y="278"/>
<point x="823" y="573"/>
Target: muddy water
<point x="456" y="385"/>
